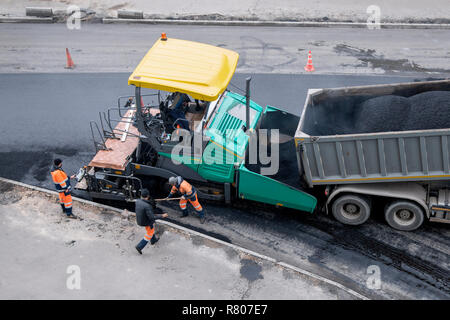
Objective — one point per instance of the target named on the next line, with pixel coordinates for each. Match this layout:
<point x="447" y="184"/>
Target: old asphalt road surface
<point x="118" y="48"/>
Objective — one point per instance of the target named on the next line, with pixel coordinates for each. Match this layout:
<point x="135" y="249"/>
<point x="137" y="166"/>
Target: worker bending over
<point x="62" y="184"/>
<point x="145" y="217"/>
<point x="188" y="193"/>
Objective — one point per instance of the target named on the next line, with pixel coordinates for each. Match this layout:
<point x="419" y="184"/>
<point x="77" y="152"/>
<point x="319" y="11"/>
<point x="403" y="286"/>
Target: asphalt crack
<point x="369" y="58"/>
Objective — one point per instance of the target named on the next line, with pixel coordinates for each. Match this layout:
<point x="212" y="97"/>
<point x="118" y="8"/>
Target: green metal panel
<point x="271" y="109"/>
<point x="217" y="164"/>
<point x="228" y="138"/>
<point x="227" y="142"/>
<point x="259" y="188"/>
<point x="217" y="172"/>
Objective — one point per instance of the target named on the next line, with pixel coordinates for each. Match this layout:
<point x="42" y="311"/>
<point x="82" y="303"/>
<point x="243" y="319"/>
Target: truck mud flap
<point x="256" y="187"/>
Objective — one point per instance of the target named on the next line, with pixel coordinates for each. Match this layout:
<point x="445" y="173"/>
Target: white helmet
<point x="172" y="181"/>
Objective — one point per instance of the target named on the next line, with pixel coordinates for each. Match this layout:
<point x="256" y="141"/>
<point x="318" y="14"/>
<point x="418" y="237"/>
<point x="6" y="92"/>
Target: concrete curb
<point x="278" y="23"/>
<point x="189" y="233"/>
<point x="41" y="12"/>
<point x="129" y="14"/>
<point x="242" y="23"/>
<point x="25" y="20"/>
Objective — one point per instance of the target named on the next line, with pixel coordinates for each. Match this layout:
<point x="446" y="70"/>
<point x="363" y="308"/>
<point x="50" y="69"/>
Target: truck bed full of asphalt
<point x="357" y="114"/>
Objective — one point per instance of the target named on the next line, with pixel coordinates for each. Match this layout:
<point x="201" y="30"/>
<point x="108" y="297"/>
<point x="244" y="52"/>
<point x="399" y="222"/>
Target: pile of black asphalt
<point x="385" y="113"/>
<point x="423" y="111"/>
<point x="429" y="110"/>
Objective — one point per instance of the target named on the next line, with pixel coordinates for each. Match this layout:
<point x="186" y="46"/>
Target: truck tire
<point x="404" y="215"/>
<point x="351" y="209"/>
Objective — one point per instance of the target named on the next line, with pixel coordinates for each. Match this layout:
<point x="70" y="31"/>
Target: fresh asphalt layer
<point x="47" y="114"/>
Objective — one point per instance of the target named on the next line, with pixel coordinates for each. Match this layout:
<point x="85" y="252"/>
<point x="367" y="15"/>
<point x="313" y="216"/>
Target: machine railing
<point x="120" y="99"/>
<point x="114" y="116"/>
<point x="98" y="145"/>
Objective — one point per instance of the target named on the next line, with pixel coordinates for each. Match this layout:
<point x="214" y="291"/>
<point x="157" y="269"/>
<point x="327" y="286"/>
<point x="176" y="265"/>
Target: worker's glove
<point x="68" y="191"/>
<point x="183" y="197"/>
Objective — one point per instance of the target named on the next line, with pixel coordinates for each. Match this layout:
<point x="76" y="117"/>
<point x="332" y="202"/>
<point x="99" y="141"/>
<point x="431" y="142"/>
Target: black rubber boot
<point x="202" y="217"/>
<point x="69" y="213"/>
<point x="141" y="245"/>
<point x="154" y="240"/>
<point x="184" y="213"/>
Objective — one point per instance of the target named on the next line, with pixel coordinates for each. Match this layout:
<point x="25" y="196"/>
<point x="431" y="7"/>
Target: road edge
<point x="274" y="23"/>
<point x="8" y="19"/>
<point x="189" y="233"/>
<point x="241" y="23"/>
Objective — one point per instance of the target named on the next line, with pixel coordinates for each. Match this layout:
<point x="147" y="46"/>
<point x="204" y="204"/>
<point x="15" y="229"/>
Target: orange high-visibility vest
<point x="185" y="188"/>
<point x="61" y="180"/>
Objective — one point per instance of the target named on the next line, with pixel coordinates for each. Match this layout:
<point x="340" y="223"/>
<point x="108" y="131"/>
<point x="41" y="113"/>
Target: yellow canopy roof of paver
<point x="200" y="70"/>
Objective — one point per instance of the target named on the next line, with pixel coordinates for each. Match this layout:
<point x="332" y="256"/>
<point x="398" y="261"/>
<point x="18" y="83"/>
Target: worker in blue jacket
<point x="177" y="111"/>
<point x="145" y="217"/>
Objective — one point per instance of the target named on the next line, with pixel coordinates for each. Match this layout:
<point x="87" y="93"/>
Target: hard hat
<point x="172" y="181"/>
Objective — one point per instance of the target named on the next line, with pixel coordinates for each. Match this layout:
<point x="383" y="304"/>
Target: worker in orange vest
<point x="62" y="184"/>
<point x="146" y="215"/>
<point x="188" y="193"/>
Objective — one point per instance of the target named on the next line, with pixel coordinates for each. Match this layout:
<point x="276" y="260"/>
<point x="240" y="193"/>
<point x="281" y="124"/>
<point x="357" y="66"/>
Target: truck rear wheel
<point x="351" y="209"/>
<point x="404" y="215"/>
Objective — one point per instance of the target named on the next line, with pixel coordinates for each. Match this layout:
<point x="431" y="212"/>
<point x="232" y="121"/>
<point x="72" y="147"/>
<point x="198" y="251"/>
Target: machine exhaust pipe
<point x="247" y="102"/>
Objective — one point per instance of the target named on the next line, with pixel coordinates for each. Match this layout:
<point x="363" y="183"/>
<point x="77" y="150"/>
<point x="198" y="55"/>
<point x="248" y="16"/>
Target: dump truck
<point x="407" y="171"/>
<point x="191" y="125"/>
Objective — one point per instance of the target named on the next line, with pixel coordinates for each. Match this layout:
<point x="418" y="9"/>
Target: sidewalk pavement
<point x="52" y="257"/>
<point x="400" y="11"/>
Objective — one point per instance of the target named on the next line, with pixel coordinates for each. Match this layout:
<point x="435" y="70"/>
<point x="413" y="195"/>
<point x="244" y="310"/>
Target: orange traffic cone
<point x="70" y="64"/>
<point x="309" y="66"/>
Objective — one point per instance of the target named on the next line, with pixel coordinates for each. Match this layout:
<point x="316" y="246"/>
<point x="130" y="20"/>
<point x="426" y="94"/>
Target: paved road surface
<point x="47" y="115"/>
<point x="119" y="48"/>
